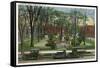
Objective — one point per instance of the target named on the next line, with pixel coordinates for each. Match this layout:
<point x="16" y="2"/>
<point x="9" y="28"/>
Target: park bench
<point x="33" y="54"/>
<point x="60" y="55"/>
<point x="78" y="48"/>
<point x="81" y="51"/>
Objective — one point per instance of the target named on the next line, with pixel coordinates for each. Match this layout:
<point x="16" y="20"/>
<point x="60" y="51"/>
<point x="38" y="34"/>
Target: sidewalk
<point x="54" y="51"/>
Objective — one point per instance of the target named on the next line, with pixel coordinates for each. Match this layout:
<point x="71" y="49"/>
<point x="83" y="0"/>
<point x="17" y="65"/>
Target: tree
<point x="78" y="37"/>
<point x="84" y="29"/>
<point x="33" y="12"/>
<point x="61" y="21"/>
<point x="22" y="23"/>
<point x="41" y="23"/>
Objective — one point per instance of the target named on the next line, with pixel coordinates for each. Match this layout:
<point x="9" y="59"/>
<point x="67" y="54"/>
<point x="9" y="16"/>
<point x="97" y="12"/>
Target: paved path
<point x="54" y="51"/>
<point x="42" y="45"/>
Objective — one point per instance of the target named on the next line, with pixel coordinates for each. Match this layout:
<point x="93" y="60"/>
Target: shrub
<point x="51" y="42"/>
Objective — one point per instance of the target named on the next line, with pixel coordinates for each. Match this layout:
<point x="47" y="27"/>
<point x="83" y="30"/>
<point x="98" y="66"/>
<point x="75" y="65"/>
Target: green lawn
<point x="90" y="44"/>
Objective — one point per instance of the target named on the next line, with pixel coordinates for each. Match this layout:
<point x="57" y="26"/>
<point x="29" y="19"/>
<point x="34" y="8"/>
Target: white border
<point x="50" y="6"/>
<point x="16" y="34"/>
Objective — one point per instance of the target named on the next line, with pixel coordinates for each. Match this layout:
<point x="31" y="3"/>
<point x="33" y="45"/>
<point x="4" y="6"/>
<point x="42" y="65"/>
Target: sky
<point x="89" y="12"/>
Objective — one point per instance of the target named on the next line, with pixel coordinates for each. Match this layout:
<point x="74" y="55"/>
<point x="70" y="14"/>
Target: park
<point x="48" y="33"/>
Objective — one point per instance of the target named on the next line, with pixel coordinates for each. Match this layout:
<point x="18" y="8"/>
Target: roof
<point x="88" y="22"/>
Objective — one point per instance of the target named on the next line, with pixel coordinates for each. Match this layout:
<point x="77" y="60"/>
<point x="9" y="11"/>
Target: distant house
<point x="89" y="28"/>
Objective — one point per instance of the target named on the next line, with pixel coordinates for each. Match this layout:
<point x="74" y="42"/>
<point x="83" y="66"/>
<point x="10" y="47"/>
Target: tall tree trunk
<point x="75" y="20"/>
<point x="30" y="11"/>
<point x="40" y="29"/>
<point x="32" y="37"/>
<point x="38" y="32"/>
<point x="84" y="28"/>
<point x="22" y="51"/>
<point x="42" y="32"/>
<point x="61" y="32"/>
<point x="32" y="32"/>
